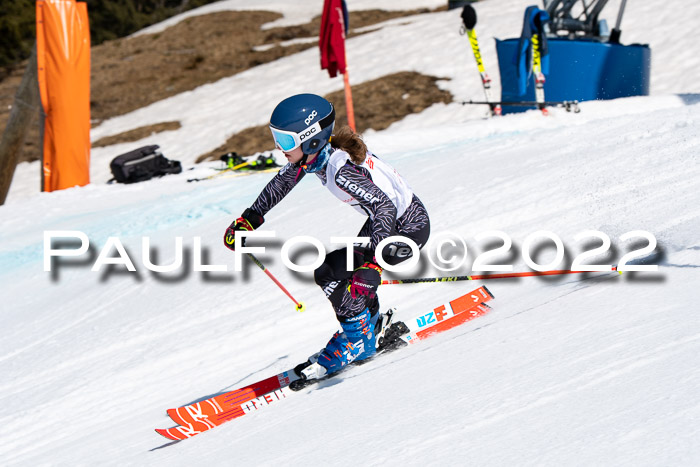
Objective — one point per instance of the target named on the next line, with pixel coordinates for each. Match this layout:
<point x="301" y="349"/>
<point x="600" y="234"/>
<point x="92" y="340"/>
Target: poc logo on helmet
<point x="307" y="133"/>
<point x="311" y="117"/>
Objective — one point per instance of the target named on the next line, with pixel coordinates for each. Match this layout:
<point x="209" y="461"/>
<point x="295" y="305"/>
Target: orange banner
<point x="63" y="61"/>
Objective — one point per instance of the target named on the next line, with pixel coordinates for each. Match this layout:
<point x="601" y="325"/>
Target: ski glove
<point x="249" y="220"/>
<point x="366" y="279"/>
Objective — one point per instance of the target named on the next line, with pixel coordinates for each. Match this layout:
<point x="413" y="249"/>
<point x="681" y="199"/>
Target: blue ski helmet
<point x="305" y="120"/>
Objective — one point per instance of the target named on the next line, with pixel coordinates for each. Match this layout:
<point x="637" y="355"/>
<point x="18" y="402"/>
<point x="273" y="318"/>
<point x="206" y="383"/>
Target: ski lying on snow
<point x="204" y="415"/>
<point x="228" y="173"/>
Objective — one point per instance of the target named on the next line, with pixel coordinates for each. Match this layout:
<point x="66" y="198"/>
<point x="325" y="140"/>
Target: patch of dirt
<point x="136" y="134"/>
<point x="199" y="50"/>
<point x="130" y="73"/>
<point x="401" y="94"/>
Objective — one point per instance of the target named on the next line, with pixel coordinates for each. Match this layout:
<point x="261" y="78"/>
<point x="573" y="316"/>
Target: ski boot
<point x="357" y="342"/>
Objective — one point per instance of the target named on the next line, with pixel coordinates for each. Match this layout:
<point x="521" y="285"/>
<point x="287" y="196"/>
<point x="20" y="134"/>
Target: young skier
<point x="302" y="126"/>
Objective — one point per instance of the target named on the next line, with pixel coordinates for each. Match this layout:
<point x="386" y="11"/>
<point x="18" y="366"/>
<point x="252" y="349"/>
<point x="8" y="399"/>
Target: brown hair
<point x="349" y="141"/>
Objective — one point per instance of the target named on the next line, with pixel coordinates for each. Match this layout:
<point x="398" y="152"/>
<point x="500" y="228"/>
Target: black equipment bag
<point x="142" y="164"/>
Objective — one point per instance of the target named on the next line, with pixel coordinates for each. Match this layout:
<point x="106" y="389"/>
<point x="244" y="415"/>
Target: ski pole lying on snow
<point x="485" y="276"/>
<point x="300" y="305"/>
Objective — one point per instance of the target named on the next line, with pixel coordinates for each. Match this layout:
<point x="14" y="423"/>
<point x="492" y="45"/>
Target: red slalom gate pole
<point x="348" y="100"/>
<point x="300" y="305"/>
<point x="486" y="276"/>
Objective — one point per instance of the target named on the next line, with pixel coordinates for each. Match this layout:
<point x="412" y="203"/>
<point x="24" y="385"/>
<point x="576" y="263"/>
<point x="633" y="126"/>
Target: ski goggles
<point x="290" y="140"/>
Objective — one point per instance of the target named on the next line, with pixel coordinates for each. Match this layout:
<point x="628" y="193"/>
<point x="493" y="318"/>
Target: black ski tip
<point x="488" y="291"/>
<point x="469" y="16"/>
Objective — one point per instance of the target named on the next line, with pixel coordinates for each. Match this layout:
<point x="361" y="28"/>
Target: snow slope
<point x="592" y="370"/>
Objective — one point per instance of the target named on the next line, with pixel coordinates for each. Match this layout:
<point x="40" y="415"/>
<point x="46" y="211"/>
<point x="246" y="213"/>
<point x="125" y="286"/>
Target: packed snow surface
<point x="594" y="369"/>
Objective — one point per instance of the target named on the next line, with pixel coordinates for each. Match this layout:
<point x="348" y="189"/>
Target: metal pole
<point x="300" y="305"/>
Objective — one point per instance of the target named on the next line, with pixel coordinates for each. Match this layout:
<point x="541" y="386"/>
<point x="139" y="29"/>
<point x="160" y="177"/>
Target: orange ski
<point x="477" y="310"/>
<point x="205" y="415"/>
<point x="449" y="310"/>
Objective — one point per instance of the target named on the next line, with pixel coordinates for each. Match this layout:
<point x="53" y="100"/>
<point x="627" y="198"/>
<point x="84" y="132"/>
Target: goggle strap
<point x="328" y="119"/>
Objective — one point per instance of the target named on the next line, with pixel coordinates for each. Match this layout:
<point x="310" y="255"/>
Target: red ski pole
<point x="485" y="276"/>
<point x="300" y="305"/>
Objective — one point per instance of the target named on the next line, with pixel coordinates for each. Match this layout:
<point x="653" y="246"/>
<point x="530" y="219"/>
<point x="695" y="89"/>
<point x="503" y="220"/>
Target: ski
<point x="229" y="173"/>
<point x="570" y="106"/>
<point x="201" y="416"/>
<point x="420" y="328"/>
<point x="204" y="415"/>
<point x="441" y="318"/>
<point x="448" y="315"/>
<point x="236" y="166"/>
<point x="469" y="21"/>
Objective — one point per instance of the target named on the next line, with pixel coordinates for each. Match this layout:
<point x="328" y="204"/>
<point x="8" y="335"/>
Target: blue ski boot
<point x="356" y="342"/>
<point x="368" y="333"/>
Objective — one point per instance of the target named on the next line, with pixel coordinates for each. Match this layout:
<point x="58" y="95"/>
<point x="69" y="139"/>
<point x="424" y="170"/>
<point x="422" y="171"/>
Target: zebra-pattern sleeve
<point x="357" y="182"/>
<point x="280" y="185"/>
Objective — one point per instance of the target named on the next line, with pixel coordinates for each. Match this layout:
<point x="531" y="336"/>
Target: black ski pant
<point x="334" y="275"/>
